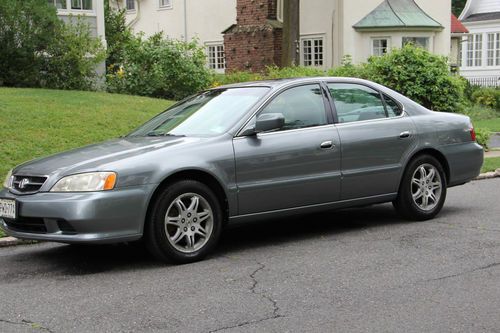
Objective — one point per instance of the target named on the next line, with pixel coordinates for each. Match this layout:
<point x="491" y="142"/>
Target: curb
<point x="12" y="241"/>
<point x="489" y="175"/>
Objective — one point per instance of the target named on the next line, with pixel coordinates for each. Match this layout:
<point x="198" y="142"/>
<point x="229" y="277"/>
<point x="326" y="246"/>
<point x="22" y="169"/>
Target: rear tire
<point x="422" y="191"/>
<point x="185" y="223"/>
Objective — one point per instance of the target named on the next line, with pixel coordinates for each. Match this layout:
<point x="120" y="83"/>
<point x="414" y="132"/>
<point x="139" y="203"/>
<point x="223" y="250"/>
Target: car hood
<point x="91" y="158"/>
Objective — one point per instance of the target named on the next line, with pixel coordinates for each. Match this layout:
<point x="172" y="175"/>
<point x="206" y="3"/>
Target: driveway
<point x="357" y="270"/>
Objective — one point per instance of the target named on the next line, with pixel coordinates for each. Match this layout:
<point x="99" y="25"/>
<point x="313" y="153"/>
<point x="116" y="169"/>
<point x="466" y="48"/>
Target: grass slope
<point x="39" y="122"/>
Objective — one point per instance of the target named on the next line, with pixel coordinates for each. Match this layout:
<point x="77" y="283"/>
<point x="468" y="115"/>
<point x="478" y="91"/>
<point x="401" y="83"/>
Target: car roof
<point x="277" y="83"/>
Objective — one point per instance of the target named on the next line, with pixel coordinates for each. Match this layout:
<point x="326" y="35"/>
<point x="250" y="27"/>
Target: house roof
<point x="397" y="14"/>
<point x="457" y="27"/>
<point x="482" y="17"/>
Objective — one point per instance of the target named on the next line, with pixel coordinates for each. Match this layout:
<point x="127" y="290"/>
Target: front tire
<point x="185" y="223"/>
<point x="422" y="192"/>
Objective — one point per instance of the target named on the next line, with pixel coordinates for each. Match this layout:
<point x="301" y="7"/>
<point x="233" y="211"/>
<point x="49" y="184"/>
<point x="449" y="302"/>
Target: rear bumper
<point x="465" y="161"/>
<point x="94" y="217"/>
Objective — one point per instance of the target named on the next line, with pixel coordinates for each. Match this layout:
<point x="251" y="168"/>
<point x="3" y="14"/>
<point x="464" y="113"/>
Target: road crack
<point x="463" y="273"/>
<point x="253" y="289"/>
<point x="29" y="323"/>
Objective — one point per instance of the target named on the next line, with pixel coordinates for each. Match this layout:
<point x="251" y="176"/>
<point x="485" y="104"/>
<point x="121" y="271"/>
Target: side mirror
<point x="269" y="121"/>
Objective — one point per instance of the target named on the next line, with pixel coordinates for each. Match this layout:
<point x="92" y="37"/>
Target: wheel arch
<point x="437" y="155"/>
<point x="192" y="174"/>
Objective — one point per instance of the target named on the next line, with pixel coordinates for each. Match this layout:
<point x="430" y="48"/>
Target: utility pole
<point x="291" y="32"/>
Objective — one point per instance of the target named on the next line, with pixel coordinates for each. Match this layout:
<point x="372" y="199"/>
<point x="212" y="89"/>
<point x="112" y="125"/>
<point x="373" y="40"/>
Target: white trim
<point x="216" y="59"/>
<point x="313" y="37"/>
<point x="374" y="38"/>
<point x="165" y="7"/>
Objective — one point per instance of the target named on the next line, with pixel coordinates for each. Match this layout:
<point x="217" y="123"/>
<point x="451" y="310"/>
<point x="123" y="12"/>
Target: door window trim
<point x="327" y="105"/>
<point x="331" y="100"/>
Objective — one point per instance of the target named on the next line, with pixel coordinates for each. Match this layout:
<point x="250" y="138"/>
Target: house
<point x="458" y="34"/>
<point x="92" y="11"/>
<point x="247" y="34"/>
<point x="481" y="48"/>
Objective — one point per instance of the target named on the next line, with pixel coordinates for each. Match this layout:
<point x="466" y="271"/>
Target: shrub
<point x="71" y="61"/>
<point x="236" y="77"/>
<point x="489" y="97"/>
<point x="26" y="29"/>
<point x="38" y="49"/>
<point x="118" y="36"/>
<point x="479" y="112"/>
<point x="160" y="67"/>
<point x="275" y="72"/>
<point x="348" y="69"/>
<point x="482" y="137"/>
<point x="419" y="75"/>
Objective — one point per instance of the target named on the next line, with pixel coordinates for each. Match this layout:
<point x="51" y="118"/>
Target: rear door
<point x="296" y="166"/>
<point x="376" y="137"/>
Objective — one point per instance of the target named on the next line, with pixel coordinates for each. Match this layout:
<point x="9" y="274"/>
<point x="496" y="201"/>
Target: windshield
<point x="208" y="114"/>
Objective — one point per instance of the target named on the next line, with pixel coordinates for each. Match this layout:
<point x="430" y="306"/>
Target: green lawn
<point x="39" y="122"/>
<point x="491" y="164"/>
<point x="492" y="125"/>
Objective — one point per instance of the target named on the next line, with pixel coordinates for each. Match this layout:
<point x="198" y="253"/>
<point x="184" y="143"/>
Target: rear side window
<point x="301" y="106"/>
<point x="355" y="102"/>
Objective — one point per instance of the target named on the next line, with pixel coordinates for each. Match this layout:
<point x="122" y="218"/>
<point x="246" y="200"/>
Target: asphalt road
<point x="358" y="270"/>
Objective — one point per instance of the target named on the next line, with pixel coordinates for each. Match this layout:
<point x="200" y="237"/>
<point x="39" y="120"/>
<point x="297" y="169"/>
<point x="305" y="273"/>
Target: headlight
<point x="8" y="180"/>
<point x="86" y="182"/>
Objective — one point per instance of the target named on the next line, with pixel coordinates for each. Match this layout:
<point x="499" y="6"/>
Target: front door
<point x="296" y="166"/>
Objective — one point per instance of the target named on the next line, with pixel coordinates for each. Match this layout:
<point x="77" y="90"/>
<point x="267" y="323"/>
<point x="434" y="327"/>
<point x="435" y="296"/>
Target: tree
<point x="40" y="50"/>
<point x="26" y="29"/>
<point x="118" y="35"/>
<point x="457" y="6"/>
<point x="291" y="32"/>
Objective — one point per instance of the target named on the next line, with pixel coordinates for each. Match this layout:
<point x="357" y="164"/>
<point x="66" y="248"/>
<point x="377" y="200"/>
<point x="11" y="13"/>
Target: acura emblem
<point x="23" y="183"/>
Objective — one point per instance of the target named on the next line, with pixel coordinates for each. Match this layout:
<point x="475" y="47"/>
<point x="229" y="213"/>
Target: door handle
<point x="327" y="145"/>
<point x="405" y="134"/>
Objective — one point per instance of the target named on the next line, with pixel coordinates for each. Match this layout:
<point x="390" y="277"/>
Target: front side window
<point x="210" y="113"/>
<point x="301" y="106"/>
<point x="312" y="52"/>
<point x="380" y="46"/>
<point x="216" y="58"/>
<point x="165" y="3"/>
<point x="81" y="4"/>
<point x="422" y="42"/>
<point x="354" y="102"/>
<point x="59" y="4"/>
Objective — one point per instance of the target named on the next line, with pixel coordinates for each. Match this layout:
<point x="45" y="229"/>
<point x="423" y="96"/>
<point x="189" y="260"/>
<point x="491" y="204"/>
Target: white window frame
<point x="493" y="49"/>
<point x="68" y="10"/>
<point x="164" y="4"/>
<point x="53" y="2"/>
<point x="474" y="50"/>
<point x="279" y="10"/>
<point x="372" y="42"/>
<point x="313" y="38"/>
<point x="125" y="5"/>
<point x="217" y="62"/>
<point x="427" y="38"/>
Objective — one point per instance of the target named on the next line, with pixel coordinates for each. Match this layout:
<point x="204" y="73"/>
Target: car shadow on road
<point x="71" y="260"/>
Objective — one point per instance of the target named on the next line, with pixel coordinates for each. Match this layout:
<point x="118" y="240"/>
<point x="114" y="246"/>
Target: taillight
<point x="472" y="133"/>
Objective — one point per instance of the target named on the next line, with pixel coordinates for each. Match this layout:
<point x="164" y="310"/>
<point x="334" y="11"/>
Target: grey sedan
<point x="244" y="152"/>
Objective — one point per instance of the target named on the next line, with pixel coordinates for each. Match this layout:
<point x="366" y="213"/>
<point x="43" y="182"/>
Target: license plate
<point x="8" y="208"/>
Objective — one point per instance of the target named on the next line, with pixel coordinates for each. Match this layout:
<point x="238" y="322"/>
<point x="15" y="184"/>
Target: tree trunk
<point x="291" y="32"/>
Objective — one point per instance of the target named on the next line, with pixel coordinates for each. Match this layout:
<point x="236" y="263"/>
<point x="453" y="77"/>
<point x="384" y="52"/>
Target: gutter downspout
<point x="185" y="22"/>
<point x="137" y="16"/>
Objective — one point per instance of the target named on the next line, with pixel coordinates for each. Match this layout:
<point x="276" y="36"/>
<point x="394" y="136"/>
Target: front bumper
<point x="93" y="217"/>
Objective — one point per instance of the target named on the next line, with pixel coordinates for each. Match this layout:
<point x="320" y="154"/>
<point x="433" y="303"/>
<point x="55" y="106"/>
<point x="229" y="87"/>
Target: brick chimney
<point x="254" y="42"/>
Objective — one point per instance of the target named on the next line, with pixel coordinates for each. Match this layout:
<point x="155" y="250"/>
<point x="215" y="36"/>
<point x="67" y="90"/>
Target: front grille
<point x="65" y="227"/>
<point x="27" y="184"/>
<point x="27" y="224"/>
